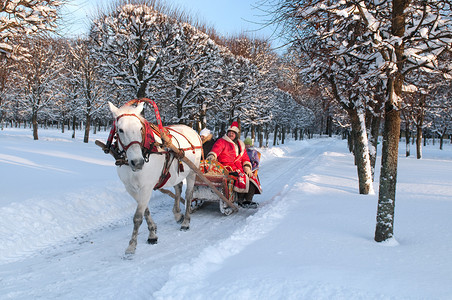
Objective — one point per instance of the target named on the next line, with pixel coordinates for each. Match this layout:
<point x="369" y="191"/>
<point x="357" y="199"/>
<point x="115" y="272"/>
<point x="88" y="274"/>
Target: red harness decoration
<point x="110" y="137"/>
<point x="156" y="109"/>
<point x="148" y="142"/>
<point x="148" y="139"/>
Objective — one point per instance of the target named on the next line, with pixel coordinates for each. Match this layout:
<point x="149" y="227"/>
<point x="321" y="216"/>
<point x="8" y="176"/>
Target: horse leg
<point x="152" y="239"/>
<point x="188" y="197"/>
<point x="137" y="220"/>
<point x="176" y="208"/>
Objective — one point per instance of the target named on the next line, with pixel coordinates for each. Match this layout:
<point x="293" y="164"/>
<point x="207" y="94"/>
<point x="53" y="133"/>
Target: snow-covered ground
<point x="66" y="219"/>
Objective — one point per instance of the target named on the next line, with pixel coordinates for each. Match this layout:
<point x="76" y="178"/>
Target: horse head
<point x="129" y="130"/>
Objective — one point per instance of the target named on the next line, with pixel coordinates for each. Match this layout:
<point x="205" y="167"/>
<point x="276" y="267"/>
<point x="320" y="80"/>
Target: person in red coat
<point x="230" y="151"/>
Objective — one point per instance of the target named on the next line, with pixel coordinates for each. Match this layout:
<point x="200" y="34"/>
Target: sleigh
<point x="222" y="179"/>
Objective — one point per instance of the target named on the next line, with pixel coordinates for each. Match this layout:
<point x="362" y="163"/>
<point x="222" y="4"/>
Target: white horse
<point x="140" y="175"/>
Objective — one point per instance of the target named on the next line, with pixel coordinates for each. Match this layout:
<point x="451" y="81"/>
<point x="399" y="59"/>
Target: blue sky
<point x="228" y="17"/>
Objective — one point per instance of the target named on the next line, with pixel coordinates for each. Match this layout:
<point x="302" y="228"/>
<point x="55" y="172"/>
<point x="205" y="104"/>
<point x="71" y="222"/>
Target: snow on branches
<point x="25" y="17"/>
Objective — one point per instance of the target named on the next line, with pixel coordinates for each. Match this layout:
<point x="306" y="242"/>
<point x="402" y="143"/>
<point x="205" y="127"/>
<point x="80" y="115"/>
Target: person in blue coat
<point x="254" y="157"/>
<point x="253" y="154"/>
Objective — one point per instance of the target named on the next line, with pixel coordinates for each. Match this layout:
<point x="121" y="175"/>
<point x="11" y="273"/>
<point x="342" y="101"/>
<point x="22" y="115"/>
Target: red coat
<point x="229" y="154"/>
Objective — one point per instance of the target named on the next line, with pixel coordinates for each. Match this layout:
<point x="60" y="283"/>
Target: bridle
<point x="143" y="132"/>
<point x="148" y="131"/>
<point x="147" y="134"/>
<point x="147" y="143"/>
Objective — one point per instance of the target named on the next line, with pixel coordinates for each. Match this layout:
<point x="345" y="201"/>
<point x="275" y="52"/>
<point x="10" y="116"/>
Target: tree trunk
<point x="419" y="141"/>
<point x="361" y="151"/>
<point x="375" y="133"/>
<point x="275" y="137"/>
<point x="283" y="135"/>
<point x="373" y="141"/>
<point x="34" y="120"/>
<point x="353" y="144"/>
<point x="74" y="120"/>
<point x="87" y="128"/>
<point x="441" y="139"/>
<point x="388" y="175"/>
<point x="407" y="139"/>
<point x="202" y="117"/>
<point x="222" y="130"/>
<point x="329" y="126"/>
<point x="261" y="136"/>
<point x="321" y="125"/>
<point x="266" y="135"/>
<point x="350" y="141"/>
<point x="239" y="121"/>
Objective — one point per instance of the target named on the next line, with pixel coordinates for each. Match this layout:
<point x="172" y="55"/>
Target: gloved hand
<point x="210" y="157"/>
<point x="247" y="171"/>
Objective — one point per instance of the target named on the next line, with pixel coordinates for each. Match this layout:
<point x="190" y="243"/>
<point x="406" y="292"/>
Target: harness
<point x="149" y="145"/>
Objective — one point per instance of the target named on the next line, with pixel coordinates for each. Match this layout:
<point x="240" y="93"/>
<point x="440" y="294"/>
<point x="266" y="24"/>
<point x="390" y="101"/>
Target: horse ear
<point x="140" y="107"/>
<point x="113" y="108"/>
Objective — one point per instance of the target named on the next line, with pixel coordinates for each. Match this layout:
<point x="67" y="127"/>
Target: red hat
<point x="234" y="127"/>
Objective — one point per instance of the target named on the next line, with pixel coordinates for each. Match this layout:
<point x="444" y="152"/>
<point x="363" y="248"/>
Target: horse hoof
<point x="130" y="251"/>
<point x="127" y="256"/>
<point x="152" y="241"/>
<point x="184" y="228"/>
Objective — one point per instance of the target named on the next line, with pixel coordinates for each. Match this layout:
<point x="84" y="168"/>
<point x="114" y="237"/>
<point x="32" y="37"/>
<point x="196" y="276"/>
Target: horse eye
<point x="121" y="131"/>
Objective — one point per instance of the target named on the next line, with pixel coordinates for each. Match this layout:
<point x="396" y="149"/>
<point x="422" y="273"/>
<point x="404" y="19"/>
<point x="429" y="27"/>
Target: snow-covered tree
<point x="189" y="73"/>
<point x="427" y="100"/>
<point x="38" y="75"/>
<point x="23" y="18"/>
<point x="258" y="97"/>
<point x="129" y="44"/>
<point x="389" y="39"/>
<point x="66" y="105"/>
<point x="85" y="75"/>
<point x="441" y="109"/>
<point x="257" y="110"/>
<point x="283" y="115"/>
<point x="5" y="88"/>
<point x="238" y="75"/>
<point x="329" y="53"/>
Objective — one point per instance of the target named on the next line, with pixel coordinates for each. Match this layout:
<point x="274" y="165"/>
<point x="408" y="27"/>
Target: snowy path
<point x="279" y="175"/>
<point x="92" y="261"/>
<point x="65" y="221"/>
